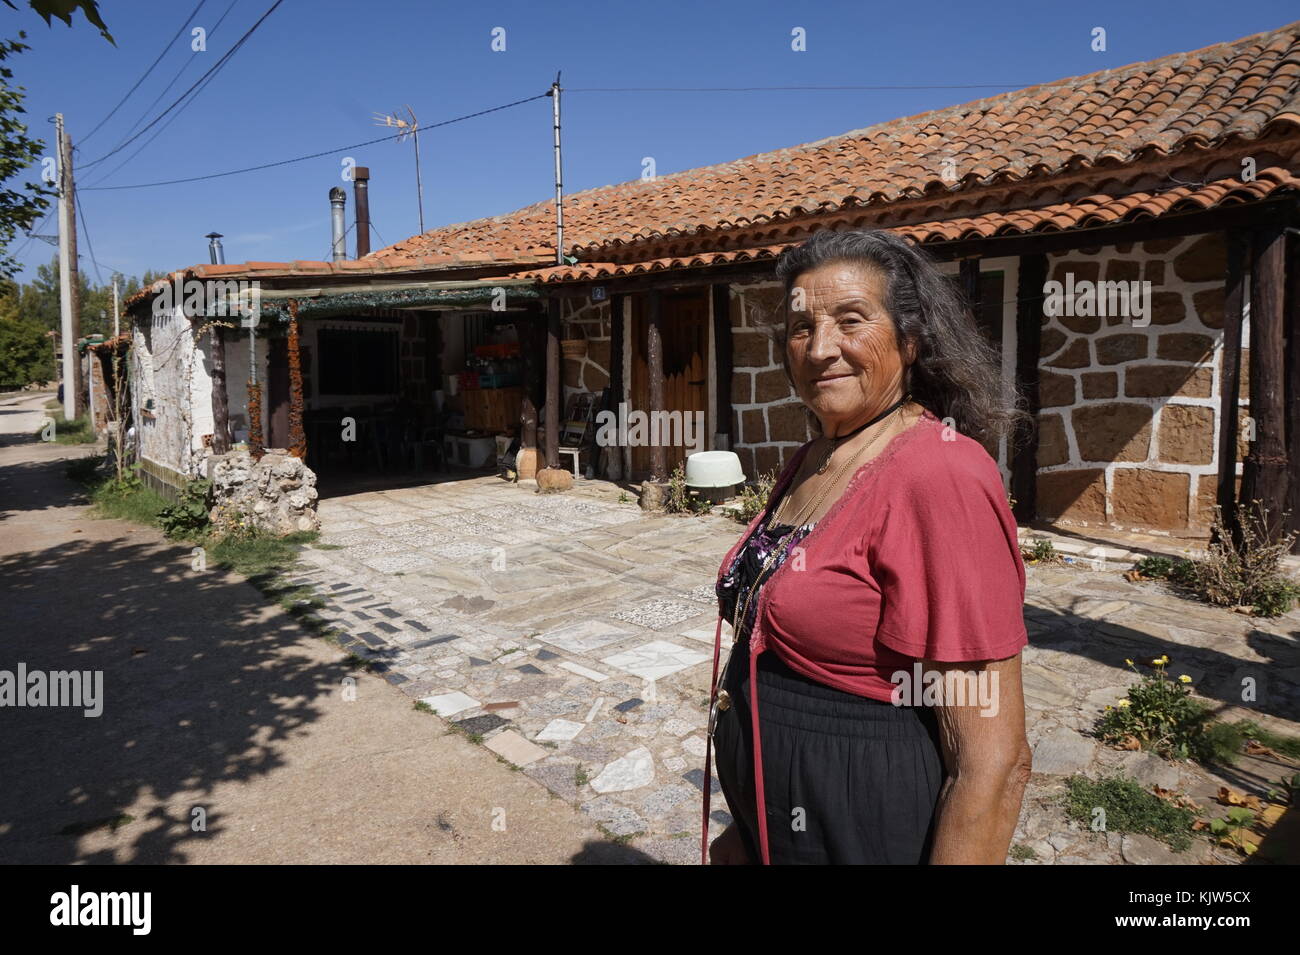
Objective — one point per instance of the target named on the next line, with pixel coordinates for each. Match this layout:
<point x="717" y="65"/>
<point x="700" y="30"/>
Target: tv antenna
<point x="407" y="127"/>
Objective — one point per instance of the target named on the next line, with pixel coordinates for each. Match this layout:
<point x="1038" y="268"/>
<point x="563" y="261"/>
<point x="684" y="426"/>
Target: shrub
<point x="1251" y="574"/>
<point x="128" y="499"/>
<point x="1231" y="575"/>
<point x="1157" y="568"/>
<point x="1161" y="715"/>
<point x="679" y="499"/>
<point x="189" y="515"/>
<point x="753" y="497"/>
<point x="1043" y="550"/>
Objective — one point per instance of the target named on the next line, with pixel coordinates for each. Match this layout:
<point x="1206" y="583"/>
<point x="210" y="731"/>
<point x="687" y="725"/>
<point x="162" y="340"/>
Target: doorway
<point x="685" y="334"/>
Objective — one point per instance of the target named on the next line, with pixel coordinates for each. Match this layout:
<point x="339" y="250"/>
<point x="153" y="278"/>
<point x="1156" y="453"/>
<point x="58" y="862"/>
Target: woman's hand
<point x="729" y="848"/>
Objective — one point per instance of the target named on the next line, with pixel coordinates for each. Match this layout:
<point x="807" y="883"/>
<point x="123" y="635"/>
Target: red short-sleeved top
<point x="918" y="559"/>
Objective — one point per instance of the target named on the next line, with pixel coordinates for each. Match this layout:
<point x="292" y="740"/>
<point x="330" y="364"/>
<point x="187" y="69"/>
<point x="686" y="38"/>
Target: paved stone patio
<point x="573" y="635"/>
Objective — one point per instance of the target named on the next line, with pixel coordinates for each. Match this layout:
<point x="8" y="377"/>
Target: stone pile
<point x="274" y="496"/>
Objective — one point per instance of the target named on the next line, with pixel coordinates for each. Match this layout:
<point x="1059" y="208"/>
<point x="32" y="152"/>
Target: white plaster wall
<point x="164" y="357"/>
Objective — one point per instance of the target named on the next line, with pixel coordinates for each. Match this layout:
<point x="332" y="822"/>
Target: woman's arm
<point x="982" y="734"/>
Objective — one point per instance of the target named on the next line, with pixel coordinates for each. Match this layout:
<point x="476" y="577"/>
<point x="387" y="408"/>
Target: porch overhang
<point x="326" y="301"/>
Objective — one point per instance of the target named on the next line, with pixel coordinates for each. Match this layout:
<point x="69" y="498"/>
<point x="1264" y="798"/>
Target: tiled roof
<point x="1089" y="211"/>
<point x="1231" y="92"/>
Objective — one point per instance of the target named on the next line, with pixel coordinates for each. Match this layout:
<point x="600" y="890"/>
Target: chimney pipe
<point x="361" y="191"/>
<point x="337" y="199"/>
<point x="215" y="252"/>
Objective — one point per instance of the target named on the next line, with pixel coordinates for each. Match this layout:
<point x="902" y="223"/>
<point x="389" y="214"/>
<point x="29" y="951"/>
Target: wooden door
<point x="685" y="326"/>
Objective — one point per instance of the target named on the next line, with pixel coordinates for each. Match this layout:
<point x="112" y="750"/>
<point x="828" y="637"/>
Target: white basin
<point x="713" y="469"/>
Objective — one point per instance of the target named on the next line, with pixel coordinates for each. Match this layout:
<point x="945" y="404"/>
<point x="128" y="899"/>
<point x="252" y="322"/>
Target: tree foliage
<point x="20" y="206"/>
<point x="64" y="10"/>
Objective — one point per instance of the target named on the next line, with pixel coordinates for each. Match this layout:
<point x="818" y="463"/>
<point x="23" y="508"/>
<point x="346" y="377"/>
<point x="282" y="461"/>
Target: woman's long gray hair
<point x="957" y="374"/>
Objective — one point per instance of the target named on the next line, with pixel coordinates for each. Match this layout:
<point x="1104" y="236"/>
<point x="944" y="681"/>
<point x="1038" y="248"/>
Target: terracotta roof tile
<point x="1095" y="210"/>
<point x="1244" y="89"/>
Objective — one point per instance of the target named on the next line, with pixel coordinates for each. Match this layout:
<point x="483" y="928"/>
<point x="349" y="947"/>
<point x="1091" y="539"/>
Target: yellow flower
<point x="1123" y="703"/>
<point x="1129" y="662"/>
<point x="1184" y="679"/>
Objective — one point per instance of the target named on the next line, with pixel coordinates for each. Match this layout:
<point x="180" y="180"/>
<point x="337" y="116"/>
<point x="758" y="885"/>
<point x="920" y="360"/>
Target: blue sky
<point x="314" y="73"/>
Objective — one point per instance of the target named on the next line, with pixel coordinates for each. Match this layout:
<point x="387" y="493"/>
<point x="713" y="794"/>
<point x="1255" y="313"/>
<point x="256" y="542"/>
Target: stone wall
<point x="769" y="423"/>
<point x="1128" y="427"/>
<point x="580" y="318"/>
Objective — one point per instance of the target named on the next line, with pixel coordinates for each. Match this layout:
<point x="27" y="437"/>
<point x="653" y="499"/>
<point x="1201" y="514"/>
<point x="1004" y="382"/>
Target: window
<point x="357" y="361"/>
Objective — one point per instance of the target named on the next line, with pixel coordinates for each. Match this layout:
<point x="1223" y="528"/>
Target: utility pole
<point x="117" y="330"/>
<point x="69" y="304"/>
<point x="559" y="179"/>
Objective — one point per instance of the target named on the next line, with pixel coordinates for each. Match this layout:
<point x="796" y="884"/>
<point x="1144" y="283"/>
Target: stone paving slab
<point x="574" y="635"/>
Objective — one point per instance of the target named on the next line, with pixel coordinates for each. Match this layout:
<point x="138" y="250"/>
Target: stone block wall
<point x="1128" y="426"/>
<point x="769" y="422"/>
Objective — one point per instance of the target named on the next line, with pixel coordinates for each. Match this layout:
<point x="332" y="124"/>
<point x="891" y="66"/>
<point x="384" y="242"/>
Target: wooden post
<point x="1234" y="290"/>
<point x="654" y="356"/>
<point x="722" y="365"/>
<point x="554" y="391"/>
<point x="256" y="445"/>
<point x="1292" y="325"/>
<point x="297" y="436"/>
<point x="1264" y="477"/>
<point x="220" y="400"/>
<point x="1029" y="331"/>
<point x="970" y="285"/>
<point x="614" y="452"/>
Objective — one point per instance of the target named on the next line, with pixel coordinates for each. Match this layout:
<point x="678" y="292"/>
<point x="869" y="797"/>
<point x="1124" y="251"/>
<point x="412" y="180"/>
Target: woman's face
<point x="843" y="352"/>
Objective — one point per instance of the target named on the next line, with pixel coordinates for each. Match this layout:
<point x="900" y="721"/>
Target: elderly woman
<point x="876" y="603"/>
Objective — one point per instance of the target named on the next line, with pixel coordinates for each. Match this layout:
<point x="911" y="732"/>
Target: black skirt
<point x="847" y="780"/>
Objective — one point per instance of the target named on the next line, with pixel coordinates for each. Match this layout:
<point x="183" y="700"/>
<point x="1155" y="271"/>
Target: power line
<point x="90" y="249"/>
<point x="161" y="129"/>
<point x="217" y="66"/>
<point x="326" y="152"/>
<point x="167" y="46"/>
<point x="185" y="66"/>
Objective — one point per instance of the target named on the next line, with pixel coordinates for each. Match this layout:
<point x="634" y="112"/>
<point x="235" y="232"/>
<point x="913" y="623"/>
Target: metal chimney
<point x="361" y="191"/>
<point x="215" y="252"/>
<point x="337" y="200"/>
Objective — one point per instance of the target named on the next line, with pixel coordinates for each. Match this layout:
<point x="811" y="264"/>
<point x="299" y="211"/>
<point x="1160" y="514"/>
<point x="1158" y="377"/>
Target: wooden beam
<point x="654" y="354"/>
<point x="1234" y="293"/>
<point x="297" y="441"/>
<point x="722" y="365"/>
<point x="220" y="400"/>
<point x="1292" y="330"/>
<point x="554" y="389"/>
<point x="1264" y="477"/>
<point x="612" y="455"/>
<point x="970" y="284"/>
<point x="1029" y="331"/>
<point x="256" y="443"/>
